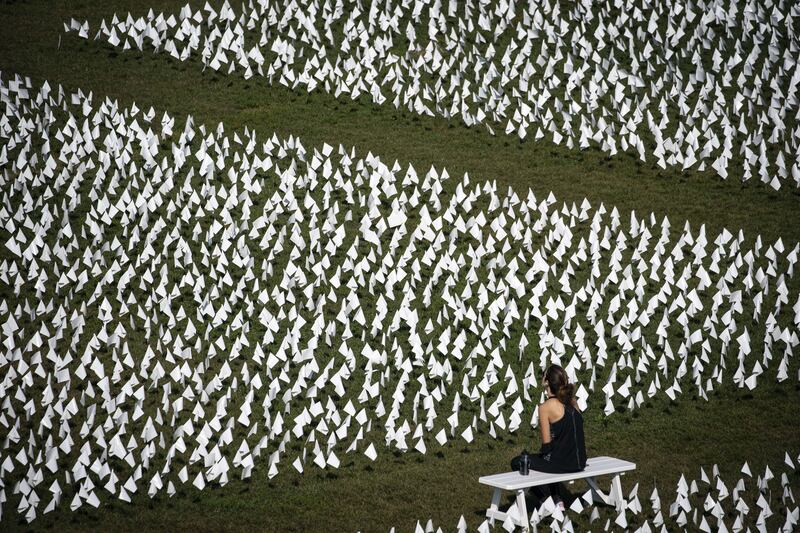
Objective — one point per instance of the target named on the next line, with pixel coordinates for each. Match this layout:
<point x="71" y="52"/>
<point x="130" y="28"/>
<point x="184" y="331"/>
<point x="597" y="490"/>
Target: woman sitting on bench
<point x="561" y="424"/>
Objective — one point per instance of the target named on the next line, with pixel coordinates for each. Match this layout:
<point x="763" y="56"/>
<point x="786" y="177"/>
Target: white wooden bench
<point x="514" y="481"/>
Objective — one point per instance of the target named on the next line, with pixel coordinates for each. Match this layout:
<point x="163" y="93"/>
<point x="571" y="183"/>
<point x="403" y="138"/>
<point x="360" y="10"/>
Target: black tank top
<point x="566" y="434"/>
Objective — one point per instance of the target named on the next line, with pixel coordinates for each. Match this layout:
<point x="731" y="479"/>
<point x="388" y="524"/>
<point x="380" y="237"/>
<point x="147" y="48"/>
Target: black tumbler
<point x="524" y="464"/>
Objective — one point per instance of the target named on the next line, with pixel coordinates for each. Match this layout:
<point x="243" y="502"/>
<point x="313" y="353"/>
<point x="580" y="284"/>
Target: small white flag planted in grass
<point x="93" y="500"/>
<point x="76" y="502"/>
<point x="298" y="464"/>
<point x="397" y="218"/>
<point x="509" y="524"/>
<point x="333" y="460"/>
<point x="420" y="446"/>
<point x="370" y="452"/>
<point x="547" y="507"/>
<point x="319" y="458"/>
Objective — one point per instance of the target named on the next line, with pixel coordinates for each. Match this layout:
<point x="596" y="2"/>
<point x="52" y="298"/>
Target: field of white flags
<point x="691" y="84"/>
<point x="182" y="302"/>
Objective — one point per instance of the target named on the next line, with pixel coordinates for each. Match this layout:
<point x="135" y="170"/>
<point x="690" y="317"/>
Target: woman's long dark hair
<point x="559" y="383"/>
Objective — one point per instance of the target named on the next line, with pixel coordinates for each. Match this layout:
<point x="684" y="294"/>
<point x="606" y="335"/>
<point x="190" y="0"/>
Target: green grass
<point x="663" y="438"/>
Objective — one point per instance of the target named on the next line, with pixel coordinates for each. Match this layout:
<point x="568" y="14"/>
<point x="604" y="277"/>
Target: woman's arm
<point x="544" y="423"/>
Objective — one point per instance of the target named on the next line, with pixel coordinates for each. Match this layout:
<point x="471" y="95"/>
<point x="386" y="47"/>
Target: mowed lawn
<point x="665" y="439"/>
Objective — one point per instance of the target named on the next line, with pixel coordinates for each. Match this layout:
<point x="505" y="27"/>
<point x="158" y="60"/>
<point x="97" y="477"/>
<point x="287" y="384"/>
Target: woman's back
<point x="568" y="450"/>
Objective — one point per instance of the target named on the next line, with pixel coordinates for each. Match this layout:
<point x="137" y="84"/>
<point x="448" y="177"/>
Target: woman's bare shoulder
<point x="549" y="404"/>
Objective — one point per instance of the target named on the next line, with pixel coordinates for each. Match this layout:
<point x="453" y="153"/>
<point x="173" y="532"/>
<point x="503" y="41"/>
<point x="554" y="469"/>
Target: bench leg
<point x="492" y="513"/>
<point x="617" y="497"/>
<point x="597" y="494"/>
<point x="522" y="508"/>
